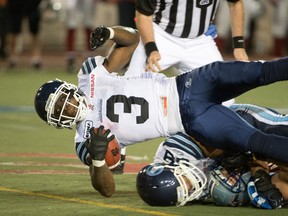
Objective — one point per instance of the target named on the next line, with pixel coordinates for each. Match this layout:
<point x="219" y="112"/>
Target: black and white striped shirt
<point x="181" y="18"/>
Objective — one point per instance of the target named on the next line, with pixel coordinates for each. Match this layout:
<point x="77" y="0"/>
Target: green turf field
<point x="40" y="175"/>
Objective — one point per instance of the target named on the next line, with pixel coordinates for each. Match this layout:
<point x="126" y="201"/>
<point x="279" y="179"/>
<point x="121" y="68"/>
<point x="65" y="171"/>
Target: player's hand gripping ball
<point x="113" y="153"/>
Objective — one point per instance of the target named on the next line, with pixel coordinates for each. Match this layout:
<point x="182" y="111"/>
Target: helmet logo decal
<point x="154" y="170"/>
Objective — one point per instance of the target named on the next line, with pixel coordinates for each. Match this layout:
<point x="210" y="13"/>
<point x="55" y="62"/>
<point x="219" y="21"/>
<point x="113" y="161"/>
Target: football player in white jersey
<point x="56" y="97"/>
<point x="151" y="105"/>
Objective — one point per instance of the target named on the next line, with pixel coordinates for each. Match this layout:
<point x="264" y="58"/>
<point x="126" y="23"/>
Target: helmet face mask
<point x="229" y="189"/>
<point x="168" y="185"/>
<point x="60" y="104"/>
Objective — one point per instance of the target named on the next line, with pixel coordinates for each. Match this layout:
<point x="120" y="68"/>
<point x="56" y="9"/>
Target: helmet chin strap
<point x="82" y="109"/>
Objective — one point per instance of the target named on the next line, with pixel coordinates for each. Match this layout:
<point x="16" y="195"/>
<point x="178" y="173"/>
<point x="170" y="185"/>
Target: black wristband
<point x="150" y="47"/>
<point x="238" y="42"/>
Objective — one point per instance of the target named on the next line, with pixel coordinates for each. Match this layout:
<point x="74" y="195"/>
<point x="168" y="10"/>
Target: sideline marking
<point x="14" y="109"/>
<point x="99" y="204"/>
<point x="43" y="172"/>
<point x="50" y="155"/>
<point x="129" y="168"/>
<point x="41" y="164"/>
<point x="57" y="155"/>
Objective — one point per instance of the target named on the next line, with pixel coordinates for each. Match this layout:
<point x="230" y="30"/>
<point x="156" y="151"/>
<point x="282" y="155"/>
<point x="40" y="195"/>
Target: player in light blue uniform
<point x="209" y="177"/>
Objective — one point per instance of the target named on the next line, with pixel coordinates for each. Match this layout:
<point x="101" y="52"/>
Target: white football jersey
<point x="135" y="108"/>
<point x="181" y="147"/>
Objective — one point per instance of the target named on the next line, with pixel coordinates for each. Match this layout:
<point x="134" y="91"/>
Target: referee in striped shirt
<point x="180" y="33"/>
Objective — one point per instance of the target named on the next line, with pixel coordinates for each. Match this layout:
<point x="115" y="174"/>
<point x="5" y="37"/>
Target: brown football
<point x="113" y="154"/>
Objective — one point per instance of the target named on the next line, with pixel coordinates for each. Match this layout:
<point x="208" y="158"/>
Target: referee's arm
<point x="145" y="27"/>
<point x="144" y="19"/>
<point x="236" y="8"/>
<point x="144" y="22"/>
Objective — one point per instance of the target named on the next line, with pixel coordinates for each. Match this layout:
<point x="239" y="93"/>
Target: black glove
<point x="98" y="37"/>
<point x="233" y="162"/>
<point x="266" y="188"/>
<point x="98" y="143"/>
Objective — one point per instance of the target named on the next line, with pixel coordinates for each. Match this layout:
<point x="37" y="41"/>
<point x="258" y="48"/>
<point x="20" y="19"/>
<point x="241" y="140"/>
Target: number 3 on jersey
<point x="127" y="102"/>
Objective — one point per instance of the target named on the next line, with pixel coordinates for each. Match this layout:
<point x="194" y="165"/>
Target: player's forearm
<point x="145" y="27"/>
<point x="125" y="36"/>
<point x="237" y="18"/>
<point x="102" y="180"/>
<point x="126" y="40"/>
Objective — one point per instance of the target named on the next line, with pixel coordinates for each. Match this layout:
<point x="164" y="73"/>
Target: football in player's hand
<point x="113" y="154"/>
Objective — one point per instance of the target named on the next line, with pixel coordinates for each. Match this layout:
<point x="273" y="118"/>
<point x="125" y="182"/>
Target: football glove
<point x="266" y="189"/>
<point x="98" y="37"/>
<point x="257" y="199"/>
<point x="235" y="161"/>
<point x="97" y="145"/>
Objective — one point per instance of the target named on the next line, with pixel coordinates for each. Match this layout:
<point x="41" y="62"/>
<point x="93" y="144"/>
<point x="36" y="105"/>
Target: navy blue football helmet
<point x="49" y="94"/>
<point x="170" y="185"/>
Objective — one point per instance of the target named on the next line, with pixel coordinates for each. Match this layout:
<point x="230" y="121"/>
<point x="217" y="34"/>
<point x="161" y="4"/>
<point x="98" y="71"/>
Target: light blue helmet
<point x="229" y="189"/>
